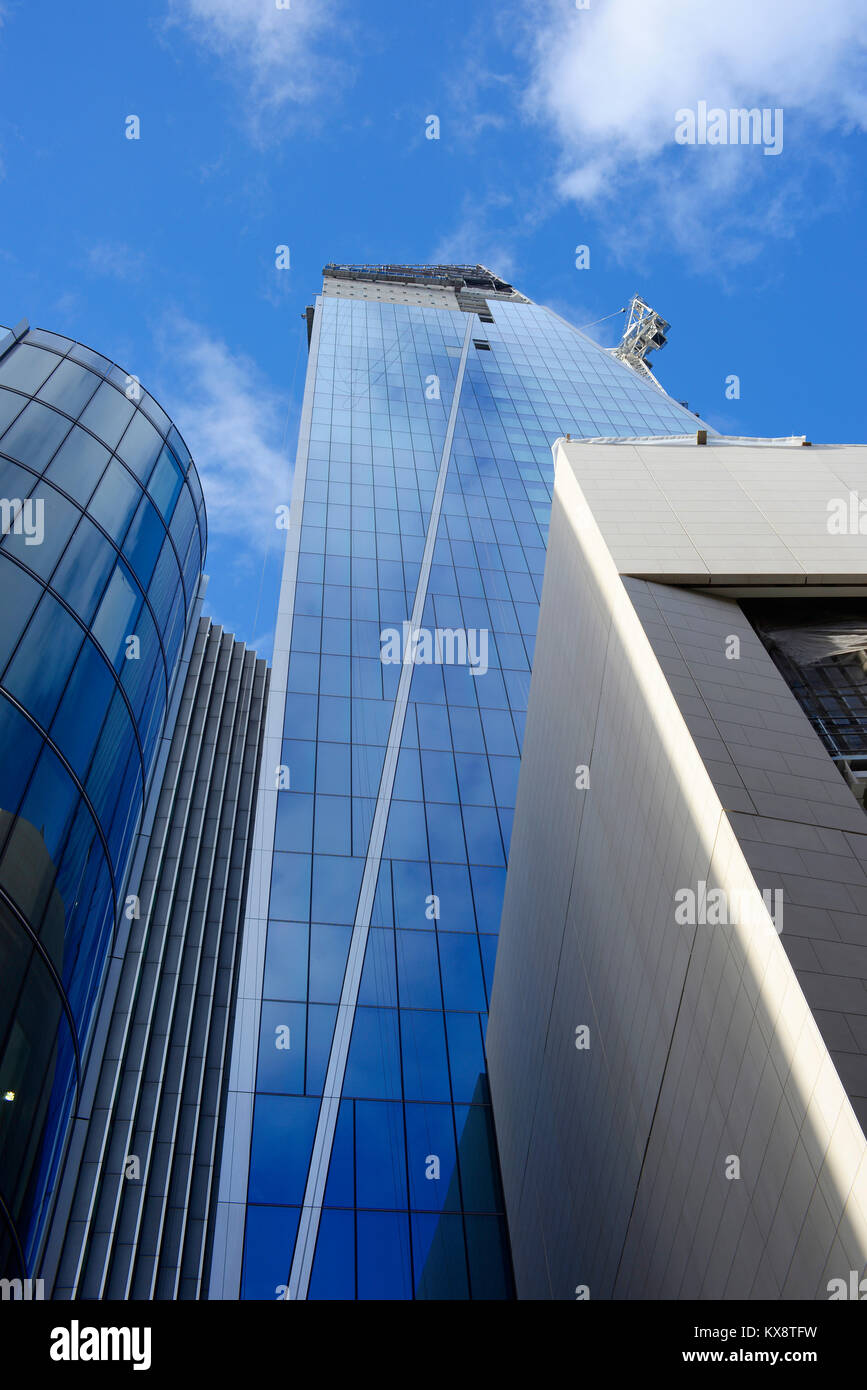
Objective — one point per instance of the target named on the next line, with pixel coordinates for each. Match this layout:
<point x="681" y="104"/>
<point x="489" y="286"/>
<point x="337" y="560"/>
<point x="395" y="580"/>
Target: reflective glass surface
<point x="413" y="1206"/>
<point x="98" y="575"/>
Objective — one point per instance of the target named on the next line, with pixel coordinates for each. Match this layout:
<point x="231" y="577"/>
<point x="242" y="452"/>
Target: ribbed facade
<point x="139" y="1219"/>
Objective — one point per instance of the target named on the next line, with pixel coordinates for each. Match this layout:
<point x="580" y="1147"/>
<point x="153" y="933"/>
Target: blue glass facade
<point x="383" y="1082"/>
<point x="103" y="540"/>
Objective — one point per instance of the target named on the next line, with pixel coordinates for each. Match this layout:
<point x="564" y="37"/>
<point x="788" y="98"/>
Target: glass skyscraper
<point x="362" y="1158"/>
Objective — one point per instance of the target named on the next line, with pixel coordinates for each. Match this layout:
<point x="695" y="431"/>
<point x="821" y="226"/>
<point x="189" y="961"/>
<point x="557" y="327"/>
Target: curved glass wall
<point x="102" y="544"/>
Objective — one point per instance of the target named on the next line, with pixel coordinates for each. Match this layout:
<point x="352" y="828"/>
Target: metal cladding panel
<point x="731" y="511"/>
<point x="671" y="1122"/>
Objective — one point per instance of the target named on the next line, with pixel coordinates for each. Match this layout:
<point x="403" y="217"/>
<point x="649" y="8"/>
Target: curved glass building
<point x="101" y="554"/>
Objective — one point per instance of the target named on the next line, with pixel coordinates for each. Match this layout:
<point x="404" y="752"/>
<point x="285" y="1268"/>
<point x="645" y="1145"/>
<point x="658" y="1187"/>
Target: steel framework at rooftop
<point x="474" y="276"/>
<point x="644" y="333"/>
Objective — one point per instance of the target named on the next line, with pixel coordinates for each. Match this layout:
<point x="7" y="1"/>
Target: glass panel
<point x="155" y="412"/>
<point x="140" y="446"/>
<point x="34" y="436"/>
<point x="333" y="1275"/>
<point x="10" y="406"/>
<point x="108" y="414"/>
<point x="20" y="595"/>
<point x="115" y="500"/>
<point x="283" y="1128"/>
<point x="36" y="1059"/>
<point x="115" y="619"/>
<point x="270" y="1237"/>
<point x="144" y="540"/>
<point x="165" y="483"/>
<point x="286" y="961"/>
<point x="25" y="368"/>
<point x="83" y="708"/>
<point x="80" y="353"/>
<point x="84" y="569"/>
<point x="179" y="449"/>
<point x="40" y="667"/>
<point x="23" y="744"/>
<point x="383" y="1256"/>
<point x="70" y="387"/>
<point x="78" y="465"/>
<point x="41" y="529"/>
<point x="39" y="337"/>
<point x="439" y="1257"/>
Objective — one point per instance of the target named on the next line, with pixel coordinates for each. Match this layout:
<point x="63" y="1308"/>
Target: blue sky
<point x="306" y="127"/>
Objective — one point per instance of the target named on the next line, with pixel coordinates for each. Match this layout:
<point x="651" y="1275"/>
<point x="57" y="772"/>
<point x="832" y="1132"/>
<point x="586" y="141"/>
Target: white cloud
<point x="486" y="232"/>
<point x="273" y="54"/>
<point x="470" y="85"/>
<point x="617" y="72"/>
<point x="608" y="80"/>
<point x="233" y="422"/>
<point x="116" y="259"/>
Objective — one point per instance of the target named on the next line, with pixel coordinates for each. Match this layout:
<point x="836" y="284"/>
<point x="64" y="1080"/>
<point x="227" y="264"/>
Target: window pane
<point x="144" y="541"/>
<point x="140" y="446"/>
<point x="108" y="414"/>
<point x="47" y="521"/>
<point x="115" y="500"/>
<point x="20" y="595"/>
<point x="83" y="708"/>
<point x="283" y="1129"/>
<point x="78" y="465"/>
<point x="10" y="406"/>
<point x="34" y="436"/>
<point x="380" y="1176"/>
<point x="70" y="387"/>
<point x="26" y="368"/>
<point x="116" y="616"/>
<point x="383" y="1256"/>
<point x="41" y="665"/>
<point x="87" y="562"/>
<point x="165" y="483"/>
<point x="333" y="1275"/>
<point x="268" y="1247"/>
